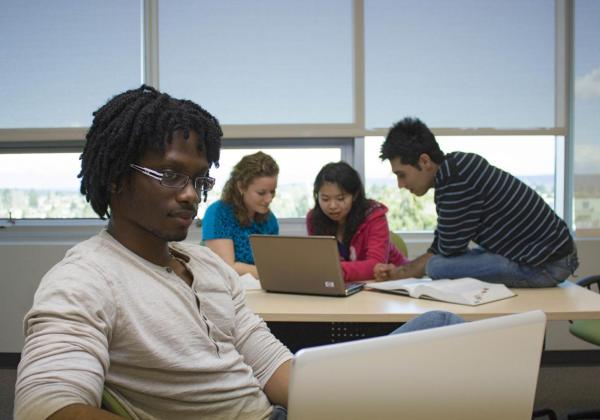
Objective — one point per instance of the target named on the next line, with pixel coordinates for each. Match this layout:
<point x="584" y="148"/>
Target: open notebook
<point x="465" y="291"/>
<point x="477" y="370"/>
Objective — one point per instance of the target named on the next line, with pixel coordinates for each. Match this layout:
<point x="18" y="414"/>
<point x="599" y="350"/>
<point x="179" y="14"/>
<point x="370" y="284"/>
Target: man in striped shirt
<point x="520" y="240"/>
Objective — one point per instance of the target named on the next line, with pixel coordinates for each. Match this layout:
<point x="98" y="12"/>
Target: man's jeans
<point x="424" y="321"/>
<point x="494" y="268"/>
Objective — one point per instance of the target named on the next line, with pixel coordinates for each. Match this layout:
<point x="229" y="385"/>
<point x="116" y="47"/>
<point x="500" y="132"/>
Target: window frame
<point x="76" y="229"/>
<point x="304" y="135"/>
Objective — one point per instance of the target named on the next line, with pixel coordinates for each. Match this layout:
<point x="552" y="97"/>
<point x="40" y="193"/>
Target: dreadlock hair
<point x="348" y="180"/>
<point x="130" y="124"/>
<point x="252" y="166"/>
<point x="408" y="139"/>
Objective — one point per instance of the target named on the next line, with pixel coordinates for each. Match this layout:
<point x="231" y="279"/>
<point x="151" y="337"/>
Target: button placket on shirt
<point x="206" y="322"/>
<point x="204" y="318"/>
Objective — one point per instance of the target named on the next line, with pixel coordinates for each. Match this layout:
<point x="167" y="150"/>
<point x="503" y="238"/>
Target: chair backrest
<point x="112" y="403"/>
<point x="399" y="242"/>
<point x="587" y="329"/>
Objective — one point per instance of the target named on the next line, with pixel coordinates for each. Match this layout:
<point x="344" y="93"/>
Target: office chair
<point x="399" y="242"/>
<point x="112" y="403"/>
<point x="587" y="330"/>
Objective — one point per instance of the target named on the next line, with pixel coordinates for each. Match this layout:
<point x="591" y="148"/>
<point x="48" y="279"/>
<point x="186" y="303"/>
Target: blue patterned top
<point x="219" y="222"/>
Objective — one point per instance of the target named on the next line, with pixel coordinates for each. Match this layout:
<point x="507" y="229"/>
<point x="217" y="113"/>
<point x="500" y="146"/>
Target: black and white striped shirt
<point x="478" y="202"/>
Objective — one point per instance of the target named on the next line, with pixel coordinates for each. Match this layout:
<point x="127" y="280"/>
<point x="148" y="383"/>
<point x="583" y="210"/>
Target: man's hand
<point x="383" y="272"/>
<point x="415" y="268"/>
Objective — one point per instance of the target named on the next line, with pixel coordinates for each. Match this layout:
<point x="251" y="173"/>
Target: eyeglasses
<point x="172" y="179"/>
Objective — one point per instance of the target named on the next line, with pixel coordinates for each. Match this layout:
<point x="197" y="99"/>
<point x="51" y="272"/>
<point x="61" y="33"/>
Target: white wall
<point x="22" y="267"/>
<point x="23" y="262"/>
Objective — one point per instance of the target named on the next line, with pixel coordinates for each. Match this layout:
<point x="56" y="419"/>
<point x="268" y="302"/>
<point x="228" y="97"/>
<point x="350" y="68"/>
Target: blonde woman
<point x="243" y="210"/>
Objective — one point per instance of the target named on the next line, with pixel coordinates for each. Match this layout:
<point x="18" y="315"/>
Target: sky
<point x="535" y="155"/>
<point x="297" y="166"/>
<point x="32" y="170"/>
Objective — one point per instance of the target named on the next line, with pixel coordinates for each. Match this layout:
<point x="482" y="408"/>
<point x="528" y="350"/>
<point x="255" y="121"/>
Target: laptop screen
<point x="299" y="264"/>
<point x="476" y="370"/>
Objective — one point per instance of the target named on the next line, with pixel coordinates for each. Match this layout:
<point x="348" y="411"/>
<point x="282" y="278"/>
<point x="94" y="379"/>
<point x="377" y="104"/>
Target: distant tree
<point x="5" y="201"/>
<point x="406" y="211"/>
<point x="33" y="198"/>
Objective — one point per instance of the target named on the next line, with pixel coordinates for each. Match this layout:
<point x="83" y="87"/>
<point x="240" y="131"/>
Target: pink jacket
<point x="369" y="245"/>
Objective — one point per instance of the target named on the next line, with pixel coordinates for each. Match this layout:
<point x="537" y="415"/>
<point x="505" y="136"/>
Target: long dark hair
<point x="346" y="177"/>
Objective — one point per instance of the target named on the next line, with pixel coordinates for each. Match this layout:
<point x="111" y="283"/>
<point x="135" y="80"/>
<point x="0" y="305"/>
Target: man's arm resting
<point x="415" y="268"/>
<point x="278" y="384"/>
<point x="82" y="411"/>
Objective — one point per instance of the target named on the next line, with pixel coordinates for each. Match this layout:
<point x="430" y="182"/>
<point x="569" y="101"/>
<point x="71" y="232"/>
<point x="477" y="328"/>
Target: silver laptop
<point x="477" y="370"/>
<point x="300" y="264"/>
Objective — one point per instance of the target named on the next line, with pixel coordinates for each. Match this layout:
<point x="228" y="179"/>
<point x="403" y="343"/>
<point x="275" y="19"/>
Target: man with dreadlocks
<point x="162" y="324"/>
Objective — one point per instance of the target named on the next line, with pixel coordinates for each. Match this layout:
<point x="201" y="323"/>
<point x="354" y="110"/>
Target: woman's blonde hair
<point x="252" y="166"/>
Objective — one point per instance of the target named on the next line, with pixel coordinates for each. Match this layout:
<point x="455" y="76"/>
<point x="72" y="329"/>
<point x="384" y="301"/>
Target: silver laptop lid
<point x="299" y="264"/>
<point x="477" y="370"/>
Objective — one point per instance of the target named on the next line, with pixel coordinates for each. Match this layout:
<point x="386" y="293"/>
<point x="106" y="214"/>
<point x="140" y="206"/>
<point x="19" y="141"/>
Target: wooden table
<point x="568" y="301"/>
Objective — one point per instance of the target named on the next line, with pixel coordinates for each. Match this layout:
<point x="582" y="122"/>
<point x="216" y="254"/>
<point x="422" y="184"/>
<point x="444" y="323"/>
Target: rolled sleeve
<point x="259" y="347"/>
<point x="65" y="356"/>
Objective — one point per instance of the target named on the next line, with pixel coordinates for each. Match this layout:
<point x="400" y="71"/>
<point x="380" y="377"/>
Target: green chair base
<point x="587" y="329"/>
<point x="399" y="242"/>
<point x="110" y="402"/>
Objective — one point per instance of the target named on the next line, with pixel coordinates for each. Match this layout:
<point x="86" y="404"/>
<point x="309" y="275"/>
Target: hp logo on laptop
<point x="329" y="284"/>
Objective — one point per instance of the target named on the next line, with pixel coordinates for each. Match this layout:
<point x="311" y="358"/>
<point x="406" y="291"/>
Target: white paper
<point x="249" y="282"/>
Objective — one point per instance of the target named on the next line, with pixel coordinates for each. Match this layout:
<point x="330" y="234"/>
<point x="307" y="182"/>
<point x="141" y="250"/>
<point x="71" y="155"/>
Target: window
<point x="60" y="59"/>
<point x="486" y="76"/>
<point x="465" y="63"/>
<point x="41" y="186"/>
<point x="297" y="170"/>
<point x="45" y="185"/>
<point x="267" y="62"/>
<point x="531" y="160"/>
<point x="586" y="120"/>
